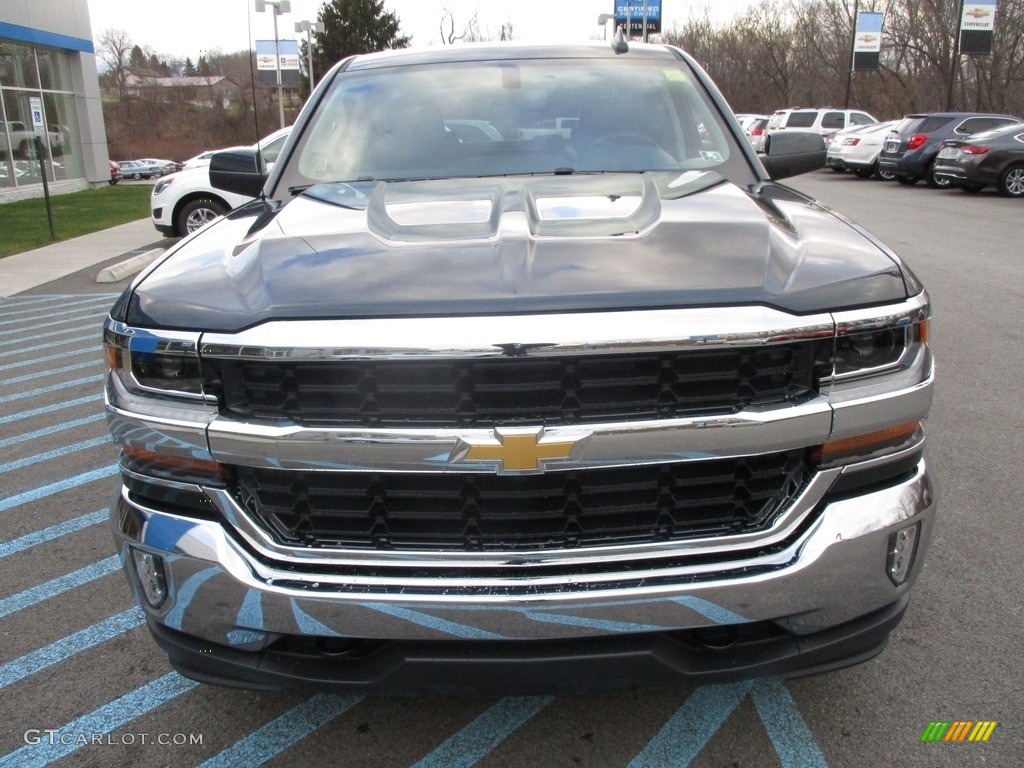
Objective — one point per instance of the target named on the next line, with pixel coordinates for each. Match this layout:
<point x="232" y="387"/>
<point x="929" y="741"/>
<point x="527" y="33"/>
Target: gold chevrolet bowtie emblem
<point x="516" y="450"/>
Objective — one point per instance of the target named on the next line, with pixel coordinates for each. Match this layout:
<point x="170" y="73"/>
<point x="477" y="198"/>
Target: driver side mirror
<point x="238" y="171"/>
<point x="790" y="153"/>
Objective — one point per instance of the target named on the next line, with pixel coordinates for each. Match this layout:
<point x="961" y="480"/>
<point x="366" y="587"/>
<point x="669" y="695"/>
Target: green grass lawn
<point x="23" y="223"/>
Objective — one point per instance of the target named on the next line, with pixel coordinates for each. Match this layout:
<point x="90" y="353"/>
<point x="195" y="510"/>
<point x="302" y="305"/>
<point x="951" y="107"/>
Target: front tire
<point x="1011" y="183"/>
<point x="907" y="181"/>
<point x="199" y="213"/>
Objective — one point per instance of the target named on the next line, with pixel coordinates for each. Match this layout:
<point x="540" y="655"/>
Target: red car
<point x="115" y="172"/>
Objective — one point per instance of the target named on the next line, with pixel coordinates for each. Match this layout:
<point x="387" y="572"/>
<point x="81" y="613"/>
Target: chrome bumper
<point x="828" y="569"/>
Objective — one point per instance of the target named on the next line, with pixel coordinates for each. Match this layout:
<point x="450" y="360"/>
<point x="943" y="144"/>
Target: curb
<point x="134" y="265"/>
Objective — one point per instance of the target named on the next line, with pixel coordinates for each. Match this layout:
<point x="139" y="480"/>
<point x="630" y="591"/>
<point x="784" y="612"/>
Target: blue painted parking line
<point x="104" y="720"/>
<point x="693" y="725"/>
<point x="100" y="302"/>
<point x="50" y="372"/>
<point x="18" y="341"/>
<point x="43" y="298"/>
<point x="52" y="408"/>
<point x="53" y="488"/>
<point x="794" y="743"/>
<point x="289" y="729"/>
<point x="67" y="317"/>
<point x="73" y="644"/>
<point x="95" y="350"/>
<point x="52" y="388"/>
<point x="29" y="540"/>
<point x="50" y="345"/>
<point x="51" y="430"/>
<point x="476" y="740"/>
<point x="56" y="453"/>
<point x="58" y="586"/>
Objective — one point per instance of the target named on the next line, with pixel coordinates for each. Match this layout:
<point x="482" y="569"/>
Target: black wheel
<point x="136" y="176"/>
<point x="937" y="182"/>
<point x="199" y="213"/>
<point x="908" y="181"/>
<point x="1011" y="183"/>
<point x="838" y="169"/>
<point x="158" y="173"/>
<point x="972" y="188"/>
<point x="113" y="182"/>
<point x="865" y="173"/>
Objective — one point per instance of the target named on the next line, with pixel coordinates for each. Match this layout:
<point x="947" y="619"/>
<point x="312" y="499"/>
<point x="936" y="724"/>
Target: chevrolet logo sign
<point x="515" y="449"/>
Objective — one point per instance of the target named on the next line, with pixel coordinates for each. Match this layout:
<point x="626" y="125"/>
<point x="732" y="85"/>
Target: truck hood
<point x="515" y="245"/>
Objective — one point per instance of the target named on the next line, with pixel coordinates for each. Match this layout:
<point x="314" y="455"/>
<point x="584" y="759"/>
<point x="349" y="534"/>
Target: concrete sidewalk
<point x="24" y="271"/>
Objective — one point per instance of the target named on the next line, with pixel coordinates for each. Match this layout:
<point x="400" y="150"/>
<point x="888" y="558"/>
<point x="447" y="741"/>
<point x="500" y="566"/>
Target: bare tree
<point x="115" y="50"/>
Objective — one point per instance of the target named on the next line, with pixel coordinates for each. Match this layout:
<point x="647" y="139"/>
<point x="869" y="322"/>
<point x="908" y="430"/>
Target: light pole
<point x="309" y="27"/>
<point x="603" y="20"/>
<point x="280" y="7"/>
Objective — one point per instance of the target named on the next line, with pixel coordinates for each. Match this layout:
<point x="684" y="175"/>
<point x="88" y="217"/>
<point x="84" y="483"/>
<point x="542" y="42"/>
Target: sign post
<point x="35" y="107"/>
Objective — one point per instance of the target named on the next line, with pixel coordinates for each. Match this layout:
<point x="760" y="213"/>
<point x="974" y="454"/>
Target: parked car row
<point x="146" y="168"/>
<point x="969" y="150"/>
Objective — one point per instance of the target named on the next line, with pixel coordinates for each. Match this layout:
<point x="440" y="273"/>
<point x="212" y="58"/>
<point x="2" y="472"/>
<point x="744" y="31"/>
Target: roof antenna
<point x="619" y="43"/>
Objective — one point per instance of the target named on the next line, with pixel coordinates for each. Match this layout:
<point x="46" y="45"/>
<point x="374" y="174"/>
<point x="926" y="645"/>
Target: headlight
<point x="165" y="363"/>
<point x="161" y="186"/>
<point x="870" y="346"/>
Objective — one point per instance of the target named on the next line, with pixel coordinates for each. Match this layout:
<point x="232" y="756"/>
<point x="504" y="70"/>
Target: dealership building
<point x="49" y="89"/>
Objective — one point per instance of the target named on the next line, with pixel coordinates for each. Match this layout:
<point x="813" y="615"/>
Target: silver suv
<point x="826" y="121"/>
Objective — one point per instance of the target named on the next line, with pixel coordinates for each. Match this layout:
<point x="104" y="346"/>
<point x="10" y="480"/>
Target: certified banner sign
<point x="977" y="27"/>
<point x="867" y="42"/>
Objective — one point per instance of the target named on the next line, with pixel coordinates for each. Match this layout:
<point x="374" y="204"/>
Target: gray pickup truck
<point x="605" y="409"/>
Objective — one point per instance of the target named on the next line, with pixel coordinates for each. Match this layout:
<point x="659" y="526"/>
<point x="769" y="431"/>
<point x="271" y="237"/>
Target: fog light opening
<point x="902" y="548"/>
<point x="150" y="570"/>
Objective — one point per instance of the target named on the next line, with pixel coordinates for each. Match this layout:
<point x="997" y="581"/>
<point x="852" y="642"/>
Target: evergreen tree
<point x="352" y="27"/>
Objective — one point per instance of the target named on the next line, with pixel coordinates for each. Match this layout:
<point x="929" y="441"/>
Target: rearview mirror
<point x="238" y="171"/>
<point x="791" y="153"/>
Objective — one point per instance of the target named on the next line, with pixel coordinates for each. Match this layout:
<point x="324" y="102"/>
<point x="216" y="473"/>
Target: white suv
<point x="826" y="121"/>
<point x="185" y="201"/>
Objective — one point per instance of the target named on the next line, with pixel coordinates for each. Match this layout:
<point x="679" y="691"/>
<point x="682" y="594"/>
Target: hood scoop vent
<point x="605" y="205"/>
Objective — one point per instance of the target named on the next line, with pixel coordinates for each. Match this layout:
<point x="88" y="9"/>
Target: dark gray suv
<point x="913" y="144"/>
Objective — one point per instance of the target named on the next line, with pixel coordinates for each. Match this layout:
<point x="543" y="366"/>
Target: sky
<point x="188" y="28"/>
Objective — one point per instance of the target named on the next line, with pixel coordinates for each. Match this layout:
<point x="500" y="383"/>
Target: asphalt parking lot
<point x="81" y="682"/>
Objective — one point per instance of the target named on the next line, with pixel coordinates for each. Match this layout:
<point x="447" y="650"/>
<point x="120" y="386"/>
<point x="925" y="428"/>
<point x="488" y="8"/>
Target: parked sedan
<point x="912" y="146"/>
<point x="133" y="169"/>
<point x="115" y="172"/>
<point x="856" y="149"/>
<point x="159" y="167"/>
<point x="991" y="159"/>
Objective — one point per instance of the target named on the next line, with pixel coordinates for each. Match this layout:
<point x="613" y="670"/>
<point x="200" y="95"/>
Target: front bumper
<point x="817" y="599"/>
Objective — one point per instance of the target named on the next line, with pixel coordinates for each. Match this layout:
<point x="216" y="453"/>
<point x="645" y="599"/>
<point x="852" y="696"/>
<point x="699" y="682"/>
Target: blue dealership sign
<point x="634" y="10"/>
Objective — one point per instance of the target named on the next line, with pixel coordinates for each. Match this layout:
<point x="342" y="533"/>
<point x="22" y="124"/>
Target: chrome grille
<point x="554" y="510"/>
<point x="536" y="390"/>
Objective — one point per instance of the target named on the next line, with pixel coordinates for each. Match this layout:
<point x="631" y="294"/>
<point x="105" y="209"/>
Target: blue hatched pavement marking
<point x="73" y="644"/>
<point x="52" y="388"/>
<point x="480" y="737"/>
<point x="100" y="302"/>
<point x="19" y="341"/>
<point x="53" y="488"/>
<point x="50" y="372"/>
<point x="66" y="317"/>
<point x="283" y="732"/>
<point x="49" y="345"/>
<point x="58" y="586"/>
<point x="687" y="732"/>
<point x="56" y="453"/>
<point x="94" y="350"/>
<point x="51" y="430"/>
<point x="30" y="540"/>
<point x="53" y="408"/>
<point x="106" y="719"/>
<point x="794" y="743"/>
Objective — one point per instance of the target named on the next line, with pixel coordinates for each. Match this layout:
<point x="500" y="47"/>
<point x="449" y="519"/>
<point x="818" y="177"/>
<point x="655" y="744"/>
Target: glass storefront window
<point x="27" y="72"/>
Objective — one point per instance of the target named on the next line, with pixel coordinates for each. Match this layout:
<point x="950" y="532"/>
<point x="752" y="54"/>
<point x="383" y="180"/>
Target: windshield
<point x="503" y="118"/>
